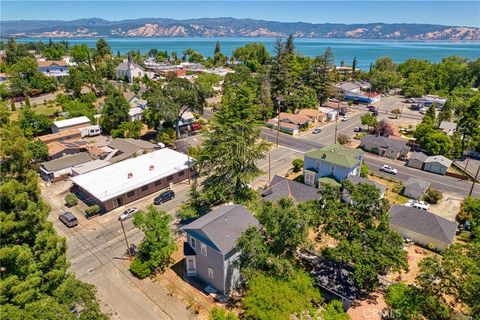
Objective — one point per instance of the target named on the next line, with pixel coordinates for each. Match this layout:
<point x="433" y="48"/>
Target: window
<point x="332" y="169"/>
<point x="169" y="178"/>
<point x="203" y="249"/>
<point x="131" y="193"/>
<point x="158" y="182"/>
<point x="210" y="273"/>
<point x="181" y="173"/>
<point x="192" y="242"/>
<point x="144" y="188"/>
<point x="318" y="165"/>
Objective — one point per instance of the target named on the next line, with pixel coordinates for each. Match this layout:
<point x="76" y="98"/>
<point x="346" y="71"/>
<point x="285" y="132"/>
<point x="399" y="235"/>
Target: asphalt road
<point x="309" y="141"/>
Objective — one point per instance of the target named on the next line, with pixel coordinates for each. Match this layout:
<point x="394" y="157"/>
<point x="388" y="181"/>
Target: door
<point x="191" y="266"/>
<point x="118" y="202"/>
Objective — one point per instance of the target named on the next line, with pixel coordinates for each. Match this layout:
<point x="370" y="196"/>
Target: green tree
<point x="334" y="311"/>
<point x="469" y="125"/>
<point x="369" y="120"/>
<point x="114" y="111"/>
<point x="33" y="123"/>
<point x="231" y="148"/>
<point x="103" y="48"/>
<point x="158" y="243"/>
<point x="297" y="165"/>
<point x="296" y="293"/>
<point x="80" y="54"/>
<point x="130" y="129"/>
<point x="38" y="150"/>
<point x="218" y="313"/>
<point x="323" y="79"/>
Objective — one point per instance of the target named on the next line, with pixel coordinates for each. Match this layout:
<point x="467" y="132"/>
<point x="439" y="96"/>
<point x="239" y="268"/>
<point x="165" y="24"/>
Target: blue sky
<point x="464" y="13"/>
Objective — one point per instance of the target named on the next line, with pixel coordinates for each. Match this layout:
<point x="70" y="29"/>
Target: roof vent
<point x="324" y="155"/>
<point x="151" y="167"/>
<point x="130" y="175"/>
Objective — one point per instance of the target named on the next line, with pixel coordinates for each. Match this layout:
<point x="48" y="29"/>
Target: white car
<point x="388" y="169"/>
<point x="127" y="214"/>
<point x="316" y="130"/>
<point x="345" y="118"/>
<point x="423" y="111"/>
<point x="422" y="205"/>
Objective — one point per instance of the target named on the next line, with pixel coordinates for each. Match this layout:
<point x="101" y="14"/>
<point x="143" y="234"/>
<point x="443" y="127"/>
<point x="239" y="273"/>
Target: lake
<point x="366" y="51"/>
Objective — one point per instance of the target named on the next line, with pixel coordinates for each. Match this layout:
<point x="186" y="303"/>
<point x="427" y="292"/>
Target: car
<point x="388" y="169"/>
<point x="342" y="113"/>
<point x="370" y="107"/>
<point x="422" y="205"/>
<point x="196" y="126"/>
<point x="345" y="118"/>
<point x="164" y="197"/>
<point x="68" y="219"/>
<point x="423" y="110"/>
<point x="127" y="214"/>
<point x="374" y="113"/>
<point x="357" y="129"/>
<point x="316" y="130"/>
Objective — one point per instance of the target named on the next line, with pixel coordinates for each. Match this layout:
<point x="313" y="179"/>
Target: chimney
<point x="324" y="156"/>
<point x="130" y="175"/>
<point x="151" y="167"/>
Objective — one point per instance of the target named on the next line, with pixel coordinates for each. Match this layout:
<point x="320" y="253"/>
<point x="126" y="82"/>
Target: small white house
<point x="129" y="69"/>
<point x="68" y="124"/>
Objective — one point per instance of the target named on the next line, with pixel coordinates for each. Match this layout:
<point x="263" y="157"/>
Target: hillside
<point x="230" y="27"/>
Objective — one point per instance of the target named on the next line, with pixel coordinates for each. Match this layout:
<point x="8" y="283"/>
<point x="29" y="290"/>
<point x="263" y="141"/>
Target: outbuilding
<point x="62" y="168"/>
<point x="69" y="124"/>
<point x="437" y="164"/>
<point x="415" y="188"/>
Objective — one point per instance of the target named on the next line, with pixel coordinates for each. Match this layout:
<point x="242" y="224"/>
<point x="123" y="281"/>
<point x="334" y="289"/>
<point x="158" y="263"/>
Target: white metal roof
<point x="111" y="181"/>
<point x="71" y="122"/>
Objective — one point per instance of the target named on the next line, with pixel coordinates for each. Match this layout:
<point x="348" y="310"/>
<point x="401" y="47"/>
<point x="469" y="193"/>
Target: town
<point x="254" y="186"/>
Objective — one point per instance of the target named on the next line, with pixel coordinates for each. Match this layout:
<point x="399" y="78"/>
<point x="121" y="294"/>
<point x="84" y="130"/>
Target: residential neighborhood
<point x="162" y="185"/>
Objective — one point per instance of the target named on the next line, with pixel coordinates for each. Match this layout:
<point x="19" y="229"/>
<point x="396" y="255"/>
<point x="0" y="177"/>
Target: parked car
<point x="164" y="197"/>
<point x="371" y="108"/>
<point x="127" y="214"/>
<point x="316" y="130"/>
<point x="345" y="118"/>
<point x="423" y="110"/>
<point x="357" y="129"/>
<point x="388" y="169"/>
<point x="196" y="126"/>
<point x="342" y="112"/>
<point x="68" y="219"/>
<point x="422" y="205"/>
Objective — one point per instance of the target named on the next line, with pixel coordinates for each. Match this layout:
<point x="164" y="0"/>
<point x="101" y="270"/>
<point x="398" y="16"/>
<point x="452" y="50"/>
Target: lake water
<point x="366" y="51"/>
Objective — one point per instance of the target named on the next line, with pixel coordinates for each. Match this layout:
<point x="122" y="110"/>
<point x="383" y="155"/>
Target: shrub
<point x="71" y="199"/>
<point x="139" y="268"/>
<point x="12" y="106"/>
<point x="297" y="165"/>
<point x="343" y="139"/>
<point x="187" y="212"/>
<point x="432" y="196"/>
<point x="364" y="170"/>
<point x="92" y="210"/>
<point x="218" y="313"/>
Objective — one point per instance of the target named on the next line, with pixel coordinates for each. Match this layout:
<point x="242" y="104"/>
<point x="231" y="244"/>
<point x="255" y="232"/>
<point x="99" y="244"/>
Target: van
<point x="68" y="219"/>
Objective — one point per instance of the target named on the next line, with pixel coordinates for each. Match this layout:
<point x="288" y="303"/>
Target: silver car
<point x="388" y="169"/>
<point x="127" y="214"/>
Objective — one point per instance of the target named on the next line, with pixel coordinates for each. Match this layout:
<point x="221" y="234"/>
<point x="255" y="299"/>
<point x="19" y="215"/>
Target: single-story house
<point x="65" y="135"/>
<point x="135" y="114"/>
<point x="346" y="87"/>
<point x="89" y="166"/>
<point x="126" y="181"/>
<point x="387" y="147"/>
<point x="417" y="160"/>
<point x="333" y="160"/>
<point x="437" y="164"/>
<point x="69" y="124"/>
<point x="300" y="120"/>
<point x="415" y="188"/>
<point x="210" y="248"/>
<point x="448" y="127"/>
<point x="422" y="227"/>
<point x="330" y="113"/>
<point x="61" y="168"/>
<point x="286" y="127"/>
<point x="53" y="68"/>
<point x="335" y="280"/>
<point x="129" y="96"/>
<point x="355" y="180"/>
<point x="126" y="148"/>
<point x="315" y="115"/>
<point x="281" y="187"/>
<point x="58" y="149"/>
<point x="138" y="103"/>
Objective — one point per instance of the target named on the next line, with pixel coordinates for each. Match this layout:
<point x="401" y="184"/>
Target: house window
<point x="192" y="242"/>
<point x="318" y="165"/>
<point x="203" y="249"/>
<point x="181" y="173"/>
<point x="144" y="188"/>
<point x="131" y="193"/>
<point x="169" y="178"/>
<point x="210" y="273"/>
<point x="158" y="182"/>
<point x="332" y="169"/>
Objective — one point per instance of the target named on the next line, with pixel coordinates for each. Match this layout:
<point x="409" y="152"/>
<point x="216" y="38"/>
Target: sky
<point x="457" y="13"/>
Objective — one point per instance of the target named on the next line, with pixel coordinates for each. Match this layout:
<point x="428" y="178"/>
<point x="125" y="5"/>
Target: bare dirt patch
<point x="392" y="191"/>
<point x="448" y="207"/>
<point x="370" y="308"/>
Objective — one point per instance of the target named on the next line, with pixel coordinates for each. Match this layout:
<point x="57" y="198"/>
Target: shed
<point x="417" y="160"/>
<point x="415" y="188"/>
<point x="437" y="164"/>
<point x="68" y="124"/>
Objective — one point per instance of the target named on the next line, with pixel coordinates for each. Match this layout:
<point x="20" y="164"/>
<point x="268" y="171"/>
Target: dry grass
<point x="46" y="109"/>
<point x="392" y="192"/>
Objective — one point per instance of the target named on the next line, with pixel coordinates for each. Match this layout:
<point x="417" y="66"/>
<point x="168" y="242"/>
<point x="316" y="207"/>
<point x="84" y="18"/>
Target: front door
<point x="118" y="202"/>
<point x="191" y="266"/>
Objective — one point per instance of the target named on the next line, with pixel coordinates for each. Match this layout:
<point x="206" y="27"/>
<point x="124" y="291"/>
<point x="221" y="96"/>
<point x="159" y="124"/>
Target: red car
<point x="196" y="126"/>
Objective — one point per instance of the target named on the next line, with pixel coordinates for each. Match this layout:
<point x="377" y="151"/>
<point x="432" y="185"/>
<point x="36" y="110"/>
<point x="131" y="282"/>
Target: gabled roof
<point x="440" y="160"/>
<point x="222" y="227"/>
<point x="124" y="66"/>
<point x="385" y="143"/>
<point x="311" y="113"/>
<point x="66" y="162"/>
<point x="448" y="125"/>
<point x="355" y="180"/>
<point x="416" y="187"/>
<point x="347" y="86"/>
<point x="336" y="154"/>
<point x="281" y="187"/>
<point x="423" y="222"/>
<point x="295" y="118"/>
<point x="420" y="156"/>
<point x="50" y="63"/>
<point x="129" y="146"/>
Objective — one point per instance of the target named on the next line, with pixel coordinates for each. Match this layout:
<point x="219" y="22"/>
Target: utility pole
<point x="189" y="168"/>
<point x="474" y="181"/>
<point x="269" y="167"/>
<point x="126" y="241"/>
<point x="278" y="125"/>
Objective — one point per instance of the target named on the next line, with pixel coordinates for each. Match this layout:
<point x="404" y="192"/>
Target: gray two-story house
<point x="210" y="248"/>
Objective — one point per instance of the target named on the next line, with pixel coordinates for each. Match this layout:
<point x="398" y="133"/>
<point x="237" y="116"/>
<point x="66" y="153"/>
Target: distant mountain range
<point x="230" y="27"/>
